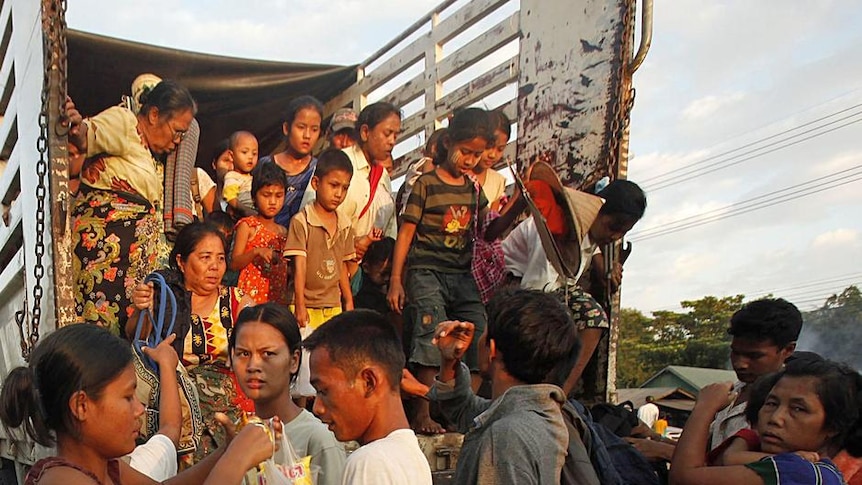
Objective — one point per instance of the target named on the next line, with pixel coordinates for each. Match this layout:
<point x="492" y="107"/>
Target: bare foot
<point x="423" y="424"/>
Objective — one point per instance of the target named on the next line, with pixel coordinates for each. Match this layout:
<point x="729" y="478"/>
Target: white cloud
<point x="838" y="237"/>
<point x="703" y="108"/>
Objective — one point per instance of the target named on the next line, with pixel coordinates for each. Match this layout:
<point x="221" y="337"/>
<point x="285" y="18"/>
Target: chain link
<point x="54" y="50"/>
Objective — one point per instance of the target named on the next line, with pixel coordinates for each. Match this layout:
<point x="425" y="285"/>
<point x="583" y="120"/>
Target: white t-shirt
<point x="495" y="186"/>
<point x="393" y="460"/>
<point x="157" y="458"/>
<point x="525" y="258"/>
<point x="648" y="413"/>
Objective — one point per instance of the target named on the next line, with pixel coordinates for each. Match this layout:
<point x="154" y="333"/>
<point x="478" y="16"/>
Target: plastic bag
<point x="286" y="468"/>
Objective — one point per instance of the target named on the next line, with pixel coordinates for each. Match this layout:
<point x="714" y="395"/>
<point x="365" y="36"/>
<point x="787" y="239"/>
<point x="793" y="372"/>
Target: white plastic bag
<point x="286" y="468"/>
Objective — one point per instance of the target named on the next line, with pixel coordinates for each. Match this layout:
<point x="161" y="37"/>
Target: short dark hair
<point x="379" y="251"/>
<point x="74" y="358"/>
<point x="840" y="391"/>
<point x="357" y="337"/>
<point x="170" y="98"/>
<point x="773" y="319"/>
<point x="623" y="198"/>
<point x="189" y="237"/>
<point x="535" y="333"/>
<point x="267" y="174"/>
<point x="300" y="103"/>
<point x="375" y="113"/>
<point x="330" y="160"/>
<point x="276" y="316"/>
<point x="220" y="220"/>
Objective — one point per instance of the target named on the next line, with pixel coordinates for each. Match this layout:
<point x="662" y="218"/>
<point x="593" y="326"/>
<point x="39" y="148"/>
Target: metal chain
<point x="54" y="42"/>
<point x="621" y="110"/>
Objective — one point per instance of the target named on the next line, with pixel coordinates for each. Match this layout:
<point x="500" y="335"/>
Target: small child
<point x="237" y="182"/>
<point x="321" y="241"/>
<point x="437" y="231"/>
<point x="257" y="249"/>
<point x="376" y="266"/>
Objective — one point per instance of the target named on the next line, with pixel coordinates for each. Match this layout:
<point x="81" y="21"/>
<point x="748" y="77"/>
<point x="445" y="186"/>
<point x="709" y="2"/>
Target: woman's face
<point x="113" y="421"/>
<point x="792" y="417"/>
<point x="204" y="267"/>
<point x="263" y="363"/>
<point x="378" y="142"/>
<point x="164" y="133"/>
<point x="303" y="133"/>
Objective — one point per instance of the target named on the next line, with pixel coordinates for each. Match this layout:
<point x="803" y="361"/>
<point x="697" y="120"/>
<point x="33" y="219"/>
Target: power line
<point x="691" y="175"/>
<point x="752" y="209"/>
<point x="809" y="187"/>
<point x="675" y="171"/>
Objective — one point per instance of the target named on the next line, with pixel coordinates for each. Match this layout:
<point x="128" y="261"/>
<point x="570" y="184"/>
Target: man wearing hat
<point x="342" y="129"/>
<point x="571" y="226"/>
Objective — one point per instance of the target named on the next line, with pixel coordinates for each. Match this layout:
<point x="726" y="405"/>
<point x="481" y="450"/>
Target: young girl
<point x="494" y="184"/>
<point x="78" y="393"/>
<point x="265" y="355"/>
<point x="802" y="415"/>
<point x="259" y="241"/>
<point x="301" y="128"/>
<point x="437" y="232"/>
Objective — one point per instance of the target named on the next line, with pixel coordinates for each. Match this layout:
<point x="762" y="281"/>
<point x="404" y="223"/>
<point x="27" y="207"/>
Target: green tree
<point x="833" y="329"/>
<point x="697" y="337"/>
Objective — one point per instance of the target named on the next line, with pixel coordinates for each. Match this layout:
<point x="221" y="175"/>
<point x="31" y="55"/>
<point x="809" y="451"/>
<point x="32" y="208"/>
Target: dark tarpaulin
<point x="232" y="93"/>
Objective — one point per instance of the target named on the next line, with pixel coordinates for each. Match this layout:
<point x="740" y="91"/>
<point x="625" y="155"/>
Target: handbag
<point x="488" y="264"/>
<point x="147" y="372"/>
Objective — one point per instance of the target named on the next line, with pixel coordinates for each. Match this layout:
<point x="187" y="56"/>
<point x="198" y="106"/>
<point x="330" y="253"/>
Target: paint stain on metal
<point x="587" y="48"/>
<point x="526" y="89"/>
<point x="585" y="81"/>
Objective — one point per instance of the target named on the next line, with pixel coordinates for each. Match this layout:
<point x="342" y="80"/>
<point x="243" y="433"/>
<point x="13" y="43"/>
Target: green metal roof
<point x="696" y="377"/>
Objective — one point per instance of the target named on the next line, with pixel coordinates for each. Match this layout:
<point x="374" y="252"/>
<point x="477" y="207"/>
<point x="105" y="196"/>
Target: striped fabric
<point x="443" y="215"/>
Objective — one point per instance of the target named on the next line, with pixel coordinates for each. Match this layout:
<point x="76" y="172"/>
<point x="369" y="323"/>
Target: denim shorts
<point x="435" y="297"/>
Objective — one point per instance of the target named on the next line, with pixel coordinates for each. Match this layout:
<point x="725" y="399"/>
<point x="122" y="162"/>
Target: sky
<point x="732" y="88"/>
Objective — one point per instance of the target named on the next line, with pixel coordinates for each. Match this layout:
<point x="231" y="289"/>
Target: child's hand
<point x="453" y="338"/>
<point x="716" y="397"/>
<point x="301" y="315"/>
<point x="164" y="353"/>
<point x="376" y="234"/>
<point x="811" y="456"/>
<point x="396" y="296"/>
<point x="142" y="296"/>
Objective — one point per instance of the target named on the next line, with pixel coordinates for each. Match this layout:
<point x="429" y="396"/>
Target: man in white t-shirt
<point x="356" y="362"/>
<point x="648" y="413"/>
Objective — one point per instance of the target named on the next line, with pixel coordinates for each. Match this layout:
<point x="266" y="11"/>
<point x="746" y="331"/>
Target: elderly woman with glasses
<point x="118" y="231"/>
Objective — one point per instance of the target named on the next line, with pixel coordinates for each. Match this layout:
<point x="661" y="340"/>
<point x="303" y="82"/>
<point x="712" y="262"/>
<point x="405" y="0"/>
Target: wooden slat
<point x="396" y="65"/>
<point x="497" y="36"/>
<point x="10" y="236"/>
<point x="464" y="18"/>
<point x="9" y="180"/>
<point x="493" y="80"/>
<point x="10" y="120"/>
<point x="408" y="91"/>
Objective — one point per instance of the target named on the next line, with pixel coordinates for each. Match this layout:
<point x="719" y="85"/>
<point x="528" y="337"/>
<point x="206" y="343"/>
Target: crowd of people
<point x="308" y="294"/>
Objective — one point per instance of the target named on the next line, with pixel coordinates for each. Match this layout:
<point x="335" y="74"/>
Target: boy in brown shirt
<point x="321" y="242"/>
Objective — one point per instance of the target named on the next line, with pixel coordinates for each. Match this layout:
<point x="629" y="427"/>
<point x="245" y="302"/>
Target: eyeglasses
<point x="176" y="135"/>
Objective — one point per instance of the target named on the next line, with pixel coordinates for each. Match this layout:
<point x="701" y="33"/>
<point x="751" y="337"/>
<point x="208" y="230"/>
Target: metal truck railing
<point x="561" y="69"/>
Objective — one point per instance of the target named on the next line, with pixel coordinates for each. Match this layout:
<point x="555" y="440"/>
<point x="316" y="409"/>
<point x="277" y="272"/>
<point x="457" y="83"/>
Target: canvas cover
<point x="232" y="93"/>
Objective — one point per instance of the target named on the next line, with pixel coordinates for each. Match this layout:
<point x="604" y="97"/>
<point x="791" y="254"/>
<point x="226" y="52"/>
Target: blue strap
<point x="158" y="320"/>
